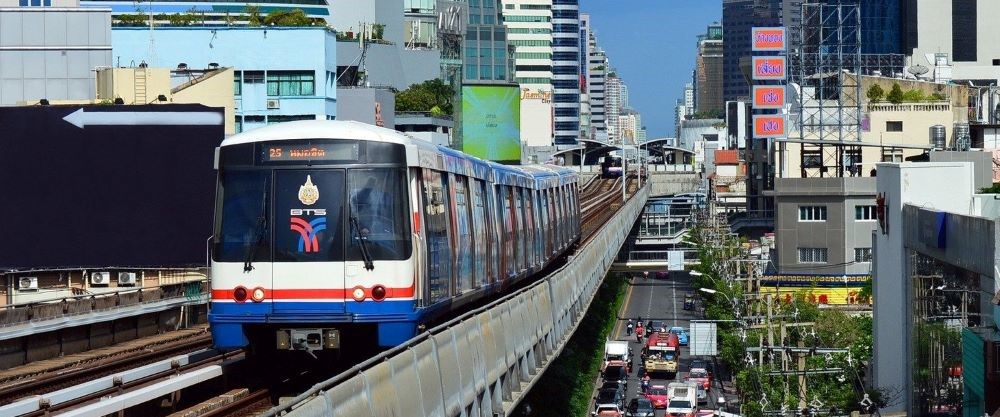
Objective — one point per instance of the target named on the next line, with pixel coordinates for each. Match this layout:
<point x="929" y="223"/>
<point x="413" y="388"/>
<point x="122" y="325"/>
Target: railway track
<point x="49" y="381"/>
<point x="598" y="207"/>
<point x="118" y="391"/>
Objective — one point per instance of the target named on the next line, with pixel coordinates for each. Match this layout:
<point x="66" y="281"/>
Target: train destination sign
<point x="768" y="127"/>
<point x="768" y="39"/>
<point x="281" y="152"/>
<point x="769" y="68"/>
<point x="768" y="97"/>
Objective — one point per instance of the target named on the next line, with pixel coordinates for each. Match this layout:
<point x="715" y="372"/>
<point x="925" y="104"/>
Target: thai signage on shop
<point x="768" y="97"/>
<point x="769" y="126"/>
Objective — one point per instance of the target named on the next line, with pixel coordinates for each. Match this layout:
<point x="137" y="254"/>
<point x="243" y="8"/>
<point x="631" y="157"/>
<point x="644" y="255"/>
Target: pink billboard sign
<point x="769" y="68"/>
<point x="768" y="39"/>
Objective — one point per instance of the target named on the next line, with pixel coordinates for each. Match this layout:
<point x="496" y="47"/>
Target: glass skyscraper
<point x="566" y="70"/>
<point x="488" y="57"/>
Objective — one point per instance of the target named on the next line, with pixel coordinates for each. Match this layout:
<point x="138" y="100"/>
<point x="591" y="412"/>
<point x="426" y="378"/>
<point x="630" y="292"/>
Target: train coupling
<point x="308" y="340"/>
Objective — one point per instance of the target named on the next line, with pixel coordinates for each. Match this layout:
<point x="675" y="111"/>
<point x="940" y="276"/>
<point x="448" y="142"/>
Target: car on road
<point x="656" y="326"/>
<point x="608" y="410"/>
<point x="702" y="395"/>
<point x="688" y="302"/>
<point x="657" y="395"/>
<point x="682" y="335"/>
<point x="700" y="376"/>
<point x="662" y="275"/>
<point x="610" y="396"/>
<point x="616" y="371"/>
<point x="640" y="407"/>
<point x="703" y="364"/>
<point x="619" y="385"/>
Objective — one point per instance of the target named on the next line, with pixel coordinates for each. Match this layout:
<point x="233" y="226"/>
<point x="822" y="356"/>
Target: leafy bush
<point x="875" y="93"/>
<point x="895" y="95"/>
<point x="914" y="96"/>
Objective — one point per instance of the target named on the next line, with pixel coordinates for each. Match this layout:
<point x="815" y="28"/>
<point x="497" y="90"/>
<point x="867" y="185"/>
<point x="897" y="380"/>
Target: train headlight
<point x="358" y="294"/>
<point x="240" y="294"/>
<point x="258" y="295"/>
<point x="378" y="293"/>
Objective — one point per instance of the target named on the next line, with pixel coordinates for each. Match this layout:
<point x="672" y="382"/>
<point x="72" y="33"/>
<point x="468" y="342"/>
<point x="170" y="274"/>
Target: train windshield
<point x="306" y="212"/>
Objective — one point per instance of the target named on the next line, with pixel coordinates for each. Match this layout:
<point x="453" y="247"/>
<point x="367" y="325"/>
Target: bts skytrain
<point x="331" y="232"/>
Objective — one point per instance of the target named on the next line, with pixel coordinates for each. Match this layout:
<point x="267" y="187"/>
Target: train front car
<point x="313" y="239"/>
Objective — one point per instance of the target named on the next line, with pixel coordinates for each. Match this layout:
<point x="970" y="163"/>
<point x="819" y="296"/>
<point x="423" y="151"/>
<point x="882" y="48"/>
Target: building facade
<point x="529" y="29"/>
<point x="965" y="31"/>
<point x="489" y="59"/>
<point x="270" y="86"/>
<point x="48" y="50"/>
<point x="566" y="70"/>
<point x="613" y="106"/>
<point x="596" y="88"/>
<point x="709" y="71"/>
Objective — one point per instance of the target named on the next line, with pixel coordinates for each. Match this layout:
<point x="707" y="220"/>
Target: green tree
<point x="937" y="96"/>
<point x="427" y="96"/>
<point x="895" y="95"/>
<point x="253" y="15"/>
<point x="914" y="96"/>
<point x="993" y="189"/>
<point x="295" y="17"/>
<point x="875" y="93"/>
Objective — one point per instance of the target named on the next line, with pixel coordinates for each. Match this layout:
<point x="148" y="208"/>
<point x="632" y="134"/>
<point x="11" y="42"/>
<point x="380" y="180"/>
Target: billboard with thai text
<point x="491" y="122"/>
<point x="769" y="126"/>
<point x="768" y="39"/>
<point x="768" y="97"/>
<point x="769" y="68"/>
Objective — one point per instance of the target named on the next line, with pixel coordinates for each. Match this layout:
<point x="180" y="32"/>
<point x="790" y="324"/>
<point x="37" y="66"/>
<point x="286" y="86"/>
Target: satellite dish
<point x="917" y="70"/>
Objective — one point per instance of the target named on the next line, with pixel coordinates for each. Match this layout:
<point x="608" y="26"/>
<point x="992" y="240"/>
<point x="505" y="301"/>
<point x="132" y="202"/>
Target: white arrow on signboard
<point x="82" y="119"/>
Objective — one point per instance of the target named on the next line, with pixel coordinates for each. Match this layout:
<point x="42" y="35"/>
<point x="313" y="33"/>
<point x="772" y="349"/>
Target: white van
<point x="616" y="350"/>
<point x="683" y="399"/>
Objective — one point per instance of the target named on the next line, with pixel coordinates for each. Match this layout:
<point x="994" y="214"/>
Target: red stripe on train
<point x="315" y="293"/>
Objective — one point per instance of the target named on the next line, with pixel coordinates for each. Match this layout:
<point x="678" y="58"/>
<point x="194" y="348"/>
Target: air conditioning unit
<point x="27" y="284"/>
<point x="126" y="278"/>
<point x="100" y="278"/>
<point x="273" y="104"/>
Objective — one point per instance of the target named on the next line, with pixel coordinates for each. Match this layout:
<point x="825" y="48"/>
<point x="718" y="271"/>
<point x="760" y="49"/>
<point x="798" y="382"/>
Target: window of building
<point x="812" y="255"/>
<point x="862" y="254"/>
<point x="864" y="213"/>
<point x="812" y="213"/>
<point x="536" y="7"/>
<point x="892" y="155"/>
<point x="996" y="62"/>
<point x="281" y="119"/>
<point x="291" y="83"/>
<point x="253" y="77"/>
<point x="533" y="55"/>
<point x="526" y="18"/>
<point x="239" y="124"/>
<point x="530" y="42"/>
<point x="533" y="80"/>
<point x="893" y="126"/>
<point x="508" y="6"/>
<point x="237" y="83"/>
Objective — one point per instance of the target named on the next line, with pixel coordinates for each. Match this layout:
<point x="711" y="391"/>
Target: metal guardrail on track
<point x="484" y="361"/>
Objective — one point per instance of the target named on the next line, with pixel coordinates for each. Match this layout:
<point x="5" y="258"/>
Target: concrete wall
<point x="982" y="165"/>
<point x="359" y="104"/>
<point x="49" y="52"/>
<point x="920" y="185"/>
<point x="840" y="234"/>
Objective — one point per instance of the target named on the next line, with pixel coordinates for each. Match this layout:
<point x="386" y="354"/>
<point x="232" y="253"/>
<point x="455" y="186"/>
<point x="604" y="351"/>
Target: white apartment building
<point x="613" y="107"/>
<point x="630" y="124"/>
<point x="529" y="30"/>
<point x="597" y="64"/>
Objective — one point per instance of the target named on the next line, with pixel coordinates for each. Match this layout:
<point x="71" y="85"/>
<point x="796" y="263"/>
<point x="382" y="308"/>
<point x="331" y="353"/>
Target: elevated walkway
<point x="482" y="363"/>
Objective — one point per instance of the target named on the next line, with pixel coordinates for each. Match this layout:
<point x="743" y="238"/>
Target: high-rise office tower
<point x="709" y="70"/>
<point x="487" y="56"/>
<point x="529" y="29"/>
<point x="566" y="70"/>
<point x="613" y="106"/>
<point x="597" y="62"/>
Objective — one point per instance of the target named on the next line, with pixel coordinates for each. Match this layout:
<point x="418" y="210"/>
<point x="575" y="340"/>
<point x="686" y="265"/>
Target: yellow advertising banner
<point x="817" y="295"/>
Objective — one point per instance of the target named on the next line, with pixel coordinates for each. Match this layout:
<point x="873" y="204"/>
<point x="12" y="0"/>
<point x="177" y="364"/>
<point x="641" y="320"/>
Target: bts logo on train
<point x="308" y="230"/>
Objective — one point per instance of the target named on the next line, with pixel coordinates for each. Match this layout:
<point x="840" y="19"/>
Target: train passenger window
<point x="479" y="228"/>
<point x="463" y="234"/>
<point x="519" y="229"/>
<point x="380" y="203"/>
<point x="243" y="220"/>
<point x="529" y="227"/>
<point x="438" y="243"/>
<point x="545" y="222"/>
<point x="309" y="210"/>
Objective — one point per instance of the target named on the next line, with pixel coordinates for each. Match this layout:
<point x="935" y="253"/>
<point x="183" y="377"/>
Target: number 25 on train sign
<point x="768" y="127"/>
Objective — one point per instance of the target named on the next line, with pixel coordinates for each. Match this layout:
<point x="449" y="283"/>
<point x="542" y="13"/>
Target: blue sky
<point x="651" y="43"/>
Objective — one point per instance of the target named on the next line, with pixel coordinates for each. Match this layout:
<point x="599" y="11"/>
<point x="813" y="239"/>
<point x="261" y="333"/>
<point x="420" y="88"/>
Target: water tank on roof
<point x="939" y="137"/>
<point x="963" y="141"/>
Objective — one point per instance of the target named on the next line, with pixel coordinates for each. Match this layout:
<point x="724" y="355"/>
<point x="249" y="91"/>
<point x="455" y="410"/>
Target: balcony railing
<point x="910" y="107"/>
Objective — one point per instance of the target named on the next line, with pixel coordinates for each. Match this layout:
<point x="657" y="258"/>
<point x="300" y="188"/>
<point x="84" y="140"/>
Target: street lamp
<point x="707" y="290"/>
<point x="697" y="274"/>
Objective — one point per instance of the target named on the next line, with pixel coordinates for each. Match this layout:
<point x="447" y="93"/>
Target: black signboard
<point x="106" y="186"/>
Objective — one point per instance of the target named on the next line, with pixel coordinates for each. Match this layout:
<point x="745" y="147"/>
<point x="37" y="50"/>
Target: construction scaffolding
<point x="829" y="97"/>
